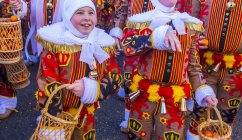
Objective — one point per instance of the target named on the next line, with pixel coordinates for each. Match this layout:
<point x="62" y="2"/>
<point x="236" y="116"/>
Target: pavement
<point x="21" y="125"/>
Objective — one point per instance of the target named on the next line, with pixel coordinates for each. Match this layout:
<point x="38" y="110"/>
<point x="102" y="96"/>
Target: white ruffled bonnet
<point x="69" y="8"/>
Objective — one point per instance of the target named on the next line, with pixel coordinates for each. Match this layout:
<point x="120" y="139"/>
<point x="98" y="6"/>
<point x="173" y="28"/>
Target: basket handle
<point x="45" y="110"/>
<point x="219" y="118"/>
<point x="18" y="14"/>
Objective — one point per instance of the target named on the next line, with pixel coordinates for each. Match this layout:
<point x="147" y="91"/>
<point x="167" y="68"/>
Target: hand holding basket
<point x="214" y="126"/>
<point x="53" y="128"/>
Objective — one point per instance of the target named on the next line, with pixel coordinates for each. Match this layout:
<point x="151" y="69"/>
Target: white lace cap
<point x="69" y="8"/>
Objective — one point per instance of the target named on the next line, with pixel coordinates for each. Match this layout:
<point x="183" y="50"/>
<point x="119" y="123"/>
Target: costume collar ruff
<point x="156" y="18"/>
<point x="57" y="38"/>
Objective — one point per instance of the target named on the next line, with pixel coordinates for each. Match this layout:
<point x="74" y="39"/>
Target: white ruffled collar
<point x="160" y="18"/>
<point x="91" y="45"/>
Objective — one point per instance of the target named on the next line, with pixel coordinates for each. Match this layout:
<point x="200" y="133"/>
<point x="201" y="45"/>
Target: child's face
<point x="84" y="20"/>
<point x="168" y="3"/>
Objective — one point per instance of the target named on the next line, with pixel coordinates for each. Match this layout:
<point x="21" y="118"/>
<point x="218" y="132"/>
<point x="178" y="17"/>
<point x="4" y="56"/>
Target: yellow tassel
<point x="134" y="85"/>
<point x="154" y="95"/>
<point x="91" y="109"/>
<point x="208" y="54"/>
<point x="137" y="78"/>
<point x="178" y="93"/>
<point x="209" y="61"/>
<point x="229" y="60"/>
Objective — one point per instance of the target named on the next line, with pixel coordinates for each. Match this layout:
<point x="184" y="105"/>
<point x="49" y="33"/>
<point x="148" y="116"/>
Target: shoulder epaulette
<point x="56" y="48"/>
<point x="194" y="26"/>
<point x="138" y="25"/>
<point x="142" y="25"/>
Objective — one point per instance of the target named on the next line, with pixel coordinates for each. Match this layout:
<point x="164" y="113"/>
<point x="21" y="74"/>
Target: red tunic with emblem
<point x="130" y="64"/>
<point x="159" y="74"/>
<point x="59" y="64"/>
<point x="222" y="23"/>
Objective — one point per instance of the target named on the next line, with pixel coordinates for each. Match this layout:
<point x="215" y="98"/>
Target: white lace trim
<point x="159" y="37"/>
<point x="116" y="32"/>
<point x="202" y="93"/>
<point x="90" y="92"/>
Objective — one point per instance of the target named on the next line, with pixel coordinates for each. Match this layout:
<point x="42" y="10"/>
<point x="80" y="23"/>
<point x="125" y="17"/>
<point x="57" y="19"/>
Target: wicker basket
<point x="53" y="128"/>
<point x="218" y="126"/>
<point x="11" y="42"/>
<point x="18" y="74"/>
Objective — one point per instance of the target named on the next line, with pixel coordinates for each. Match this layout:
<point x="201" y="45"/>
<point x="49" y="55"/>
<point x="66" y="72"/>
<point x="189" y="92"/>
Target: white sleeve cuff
<point x="116" y="32"/>
<point x="23" y="11"/>
<point x="159" y="37"/>
<point x="90" y="92"/>
<point x="203" y="92"/>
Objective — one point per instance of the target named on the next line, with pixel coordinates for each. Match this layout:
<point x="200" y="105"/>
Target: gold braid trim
<point x="141" y="25"/>
<point x="138" y="25"/>
<point x="55" y="48"/>
<point x="194" y="26"/>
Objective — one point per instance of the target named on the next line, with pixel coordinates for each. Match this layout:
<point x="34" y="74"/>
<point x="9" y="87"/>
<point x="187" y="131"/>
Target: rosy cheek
<point x="75" y="20"/>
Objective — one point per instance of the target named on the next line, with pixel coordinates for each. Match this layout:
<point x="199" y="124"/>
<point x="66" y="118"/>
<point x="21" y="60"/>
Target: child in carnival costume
<point x="8" y="94"/>
<point x="126" y="9"/>
<point x="47" y="12"/>
<point x="167" y="72"/>
<point x="221" y="61"/>
<point x="71" y="50"/>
